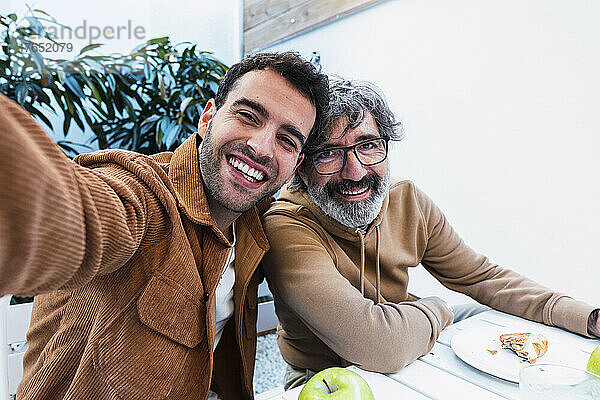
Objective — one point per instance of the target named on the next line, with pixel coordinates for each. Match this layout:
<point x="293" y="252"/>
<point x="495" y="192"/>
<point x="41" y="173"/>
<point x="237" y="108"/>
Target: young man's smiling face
<point x="354" y="195"/>
<point x="253" y="143"/>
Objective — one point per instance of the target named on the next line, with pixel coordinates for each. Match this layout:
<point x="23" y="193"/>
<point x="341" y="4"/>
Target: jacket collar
<point x="185" y="174"/>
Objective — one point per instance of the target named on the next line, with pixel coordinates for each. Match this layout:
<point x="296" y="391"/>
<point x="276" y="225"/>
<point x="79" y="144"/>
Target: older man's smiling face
<point x="253" y="143"/>
<point x="354" y="195"/>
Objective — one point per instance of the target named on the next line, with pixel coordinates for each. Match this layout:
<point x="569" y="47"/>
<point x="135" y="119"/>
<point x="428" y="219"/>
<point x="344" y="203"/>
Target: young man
<point x="343" y="238"/>
<point x="132" y="257"/>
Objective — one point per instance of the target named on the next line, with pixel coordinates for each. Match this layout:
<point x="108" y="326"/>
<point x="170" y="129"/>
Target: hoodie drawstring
<point x="378" y="279"/>
<point x="362" y="261"/>
<point x="361" y="234"/>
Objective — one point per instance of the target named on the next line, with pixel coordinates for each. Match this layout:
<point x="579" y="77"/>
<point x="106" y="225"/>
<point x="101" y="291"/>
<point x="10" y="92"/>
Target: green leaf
<point x="94" y="65"/>
<point x="61" y="76"/>
<point x="159" y="135"/>
<point x="147" y="71"/>
<point x="164" y="124"/>
<point x="42" y="117"/>
<point x="146" y="129"/>
<point x="130" y="108"/>
<point x="164" y="40"/>
<point x="12" y="44"/>
<point x="78" y="121"/>
<point x="111" y="81"/>
<point x="21" y="92"/>
<point x="42" y="96"/>
<point x="38" y="59"/>
<point x="72" y="84"/>
<point x="163" y="90"/>
<point x="87" y="117"/>
<point x="13" y="16"/>
<point x="95" y="91"/>
<point x="185" y="103"/>
<point x="90" y="47"/>
<point x="172" y="134"/>
<point x="66" y="124"/>
<point x="42" y="12"/>
<point x="36" y="26"/>
<point x="68" y="150"/>
<point x="149" y="120"/>
<point x="66" y="144"/>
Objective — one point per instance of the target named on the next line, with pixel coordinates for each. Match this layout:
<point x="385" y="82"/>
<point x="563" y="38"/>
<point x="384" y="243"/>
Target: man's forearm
<point x="61" y="224"/>
<point x="594" y="323"/>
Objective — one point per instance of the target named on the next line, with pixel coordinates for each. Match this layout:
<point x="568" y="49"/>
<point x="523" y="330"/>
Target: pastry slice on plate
<point x="528" y="346"/>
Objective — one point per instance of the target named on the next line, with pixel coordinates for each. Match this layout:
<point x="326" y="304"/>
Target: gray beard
<point x="354" y="214"/>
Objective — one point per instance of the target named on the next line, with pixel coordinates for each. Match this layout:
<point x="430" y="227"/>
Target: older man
<point x="344" y="237"/>
<point x="145" y="266"/>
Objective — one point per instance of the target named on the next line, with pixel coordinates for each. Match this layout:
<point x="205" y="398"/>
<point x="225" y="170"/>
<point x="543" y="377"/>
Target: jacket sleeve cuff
<point x="571" y="314"/>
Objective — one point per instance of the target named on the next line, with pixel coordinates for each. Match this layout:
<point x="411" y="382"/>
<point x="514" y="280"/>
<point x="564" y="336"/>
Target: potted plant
<point x="147" y="101"/>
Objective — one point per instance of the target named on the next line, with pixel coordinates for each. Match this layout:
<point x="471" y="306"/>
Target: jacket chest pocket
<point x="142" y="352"/>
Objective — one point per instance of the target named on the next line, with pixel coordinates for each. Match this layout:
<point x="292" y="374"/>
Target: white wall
<point x="500" y="102"/>
<point x="212" y="25"/>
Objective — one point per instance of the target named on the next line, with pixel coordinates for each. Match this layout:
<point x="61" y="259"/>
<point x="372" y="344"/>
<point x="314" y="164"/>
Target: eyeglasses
<point x="333" y="160"/>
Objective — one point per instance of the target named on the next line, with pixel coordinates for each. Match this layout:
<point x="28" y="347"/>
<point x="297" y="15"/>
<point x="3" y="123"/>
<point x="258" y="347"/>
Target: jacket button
<point x="206" y="296"/>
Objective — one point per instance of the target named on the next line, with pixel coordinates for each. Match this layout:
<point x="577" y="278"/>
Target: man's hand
<point x="594" y="323"/>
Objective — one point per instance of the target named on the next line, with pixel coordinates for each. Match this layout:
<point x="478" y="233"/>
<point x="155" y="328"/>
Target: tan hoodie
<point x="314" y="273"/>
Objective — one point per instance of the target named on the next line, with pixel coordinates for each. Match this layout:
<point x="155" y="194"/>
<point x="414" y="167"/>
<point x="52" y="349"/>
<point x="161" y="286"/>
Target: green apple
<point x="594" y="362"/>
<point x="336" y="384"/>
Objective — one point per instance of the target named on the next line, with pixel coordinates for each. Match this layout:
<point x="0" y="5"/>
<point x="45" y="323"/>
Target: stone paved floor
<point x="270" y="367"/>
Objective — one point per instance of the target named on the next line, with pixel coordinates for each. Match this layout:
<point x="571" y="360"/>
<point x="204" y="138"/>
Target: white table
<point x="442" y="375"/>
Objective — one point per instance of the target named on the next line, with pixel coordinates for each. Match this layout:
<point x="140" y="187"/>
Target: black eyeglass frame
<point x="346" y="150"/>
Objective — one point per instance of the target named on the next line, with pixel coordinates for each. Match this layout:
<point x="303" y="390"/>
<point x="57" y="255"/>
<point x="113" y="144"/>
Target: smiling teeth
<point x="353" y="193"/>
<point x="249" y="173"/>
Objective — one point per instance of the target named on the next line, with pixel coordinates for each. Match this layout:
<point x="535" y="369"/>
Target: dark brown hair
<point x="303" y="75"/>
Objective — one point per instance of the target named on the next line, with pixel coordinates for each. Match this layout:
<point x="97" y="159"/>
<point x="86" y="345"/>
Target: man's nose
<point x="262" y="142"/>
<point x="353" y="170"/>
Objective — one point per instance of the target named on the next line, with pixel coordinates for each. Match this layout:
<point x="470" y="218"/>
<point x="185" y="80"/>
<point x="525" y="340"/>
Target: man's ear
<point x="208" y="113"/>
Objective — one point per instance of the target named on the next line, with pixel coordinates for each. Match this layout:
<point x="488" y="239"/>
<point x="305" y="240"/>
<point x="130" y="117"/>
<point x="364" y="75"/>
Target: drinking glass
<point x="557" y="382"/>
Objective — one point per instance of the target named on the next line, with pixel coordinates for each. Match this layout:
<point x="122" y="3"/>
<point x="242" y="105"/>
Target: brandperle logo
<point x="59" y="38"/>
<point x="93" y="33"/>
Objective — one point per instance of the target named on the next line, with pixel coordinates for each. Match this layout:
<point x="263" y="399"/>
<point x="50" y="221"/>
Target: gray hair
<point x="350" y="99"/>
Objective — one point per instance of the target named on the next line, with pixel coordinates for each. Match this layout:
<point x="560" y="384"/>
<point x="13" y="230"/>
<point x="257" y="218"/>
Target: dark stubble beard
<point x="214" y="185"/>
<point x="355" y="214"/>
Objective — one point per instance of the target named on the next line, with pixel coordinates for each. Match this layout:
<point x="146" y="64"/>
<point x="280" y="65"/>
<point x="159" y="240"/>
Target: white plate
<point x="472" y="345"/>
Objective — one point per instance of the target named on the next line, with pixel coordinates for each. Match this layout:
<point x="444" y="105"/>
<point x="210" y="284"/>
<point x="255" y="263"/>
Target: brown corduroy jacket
<point x="124" y="257"/>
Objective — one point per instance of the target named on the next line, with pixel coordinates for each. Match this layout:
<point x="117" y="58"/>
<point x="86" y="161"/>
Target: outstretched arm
<point x="61" y="224"/>
<point x="460" y="268"/>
